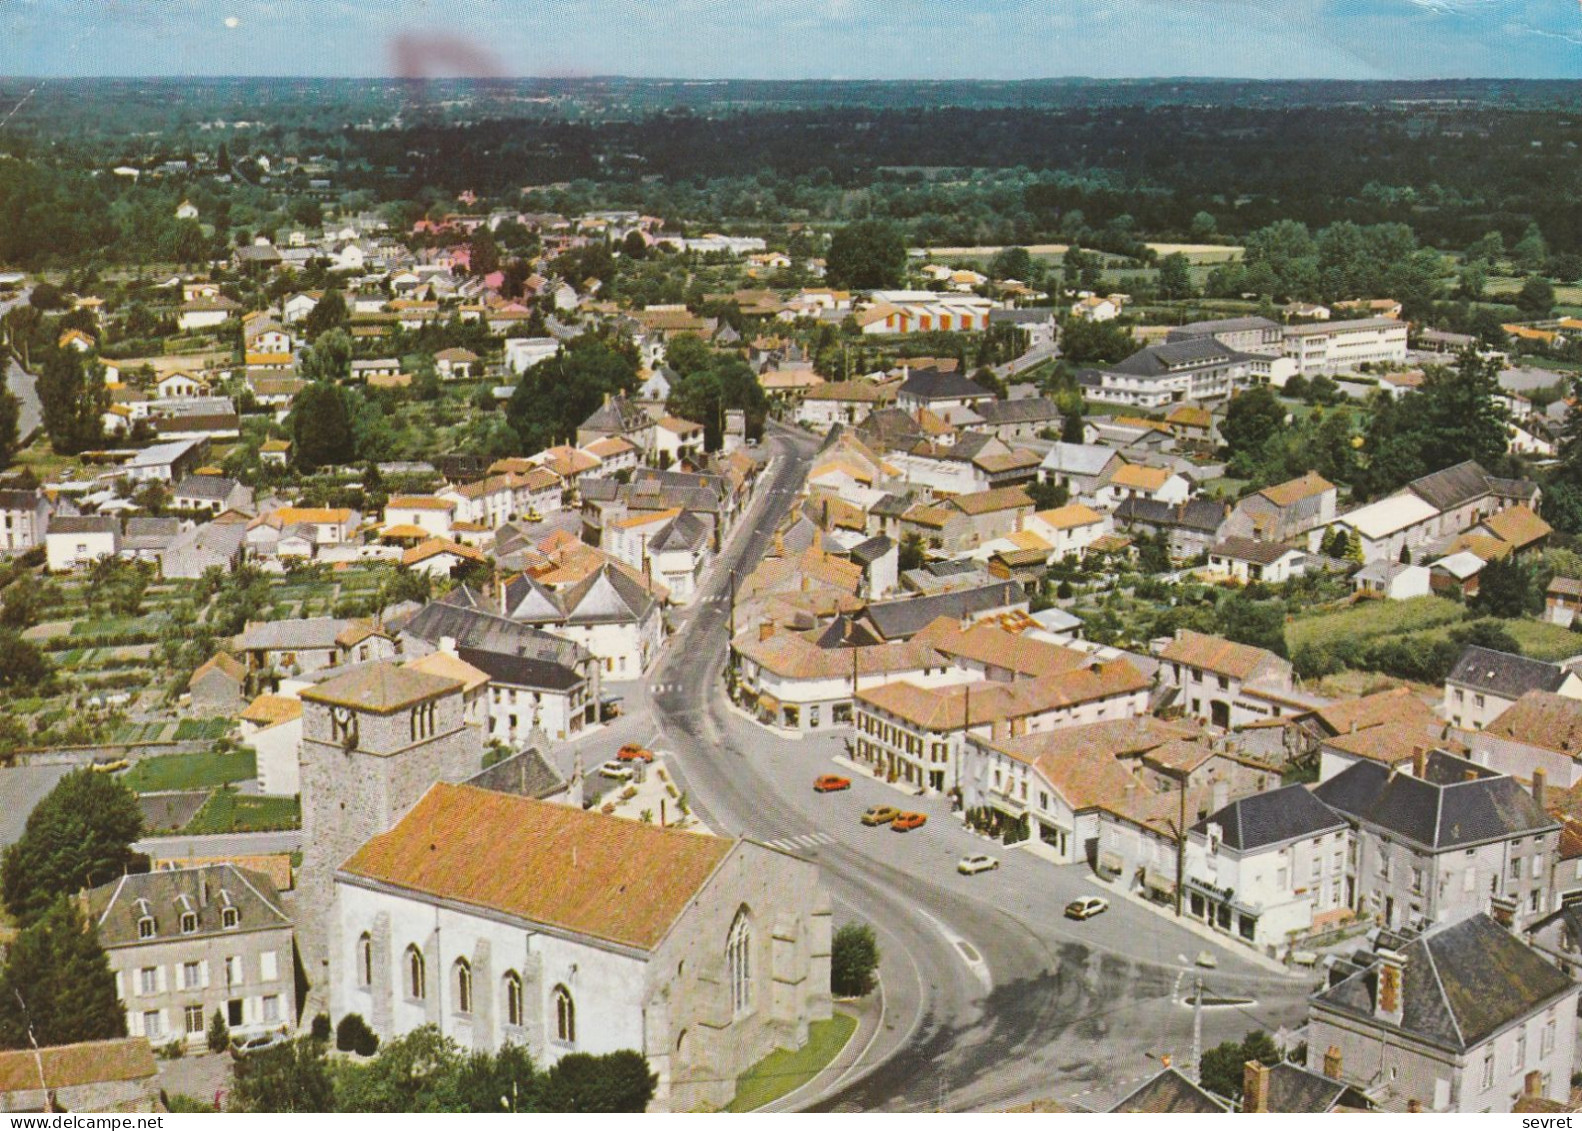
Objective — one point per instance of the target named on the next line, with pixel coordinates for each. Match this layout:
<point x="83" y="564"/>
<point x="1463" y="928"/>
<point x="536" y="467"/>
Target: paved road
<point x="992" y="997"/>
<point x="22" y="383"/>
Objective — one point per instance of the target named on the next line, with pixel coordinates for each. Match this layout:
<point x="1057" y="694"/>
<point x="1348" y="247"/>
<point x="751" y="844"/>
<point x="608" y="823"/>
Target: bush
<point x="174" y="1050"/>
<point x="854" y="961"/>
<point x="219" y="1035"/>
<point x="354" y="1035"/>
<point x="321" y="1027"/>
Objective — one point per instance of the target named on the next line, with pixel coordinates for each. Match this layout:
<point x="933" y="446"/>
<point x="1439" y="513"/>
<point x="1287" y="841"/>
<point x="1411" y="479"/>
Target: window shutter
<point x="203" y="973"/>
<point x="159" y="978"/>
<point x="120" y="986"/>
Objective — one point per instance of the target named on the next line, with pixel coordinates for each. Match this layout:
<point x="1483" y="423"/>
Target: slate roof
<point x="116" y="907"/>
<point x="1441" y="810"/>
<point x="85" y="524"/>
<point x="524" y="774"/>
<point x="1452" y="487"/>
<point x="1170" y="1093"/>
<point x="1295" y="1090"/>
<point x="939" y="385"/>
<point x="904" y="618"/>
<point x="1273" y="817"/>
<point x="1078" y="459"/>
<point x="1503" y="674"/>
<point x="1028" y="410"/>
<point x="866" y="553"/>
<point x="381" y="688"/>
<point x="616" y="415"/>
<point x="1462" y="983"/>
<point x="685" y="532"/>
<point x="506" y="669"/>
<point x="291" y="635"/>
<point x="1207" y="329"/>
<point x="1198" y="514"/>
<point x="1168" y="357"/>
<point x="215" y="487"/>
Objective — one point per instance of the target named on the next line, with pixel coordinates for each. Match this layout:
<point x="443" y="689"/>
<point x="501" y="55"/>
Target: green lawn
<point x="229" y="812"/>
<point x="1374" y="618"/>
<point x="1544" y="641"/>
<point x="191" y="771"/>
<point x="786" y="1070"/>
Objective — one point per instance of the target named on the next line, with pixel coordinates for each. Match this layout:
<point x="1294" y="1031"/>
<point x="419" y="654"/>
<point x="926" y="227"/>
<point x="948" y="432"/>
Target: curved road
<point x="991" y="996"/>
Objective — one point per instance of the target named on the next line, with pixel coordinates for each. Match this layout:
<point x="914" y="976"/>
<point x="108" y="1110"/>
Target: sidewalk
<point x="1202" y="931"/>
<point x="869" y="1012"/>
<point x="906" y="789"/>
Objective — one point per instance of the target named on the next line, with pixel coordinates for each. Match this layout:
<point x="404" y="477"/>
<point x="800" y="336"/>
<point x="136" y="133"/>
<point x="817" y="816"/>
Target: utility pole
<point x="1195" y="1072"/>
<point x="38" y="1057"/>
<point x="1181" y="846"/>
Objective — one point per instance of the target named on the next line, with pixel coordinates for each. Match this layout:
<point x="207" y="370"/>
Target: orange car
<point x="632" y="752"/>
<point x="906" y="822"/>
<point x="829" y="783"/>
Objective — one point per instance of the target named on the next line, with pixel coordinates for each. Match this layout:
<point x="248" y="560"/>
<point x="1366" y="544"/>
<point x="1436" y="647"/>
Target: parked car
<point x="906" y="822"/>
<point x="632" y="752"/>
<point x="1086" y="907"/>
<point x="257" y="1044"/>
<point x="620" y="771"/>
<point x="829" y="783"/>
<point x="972" y="865"/>
<point x="880" y="815"/>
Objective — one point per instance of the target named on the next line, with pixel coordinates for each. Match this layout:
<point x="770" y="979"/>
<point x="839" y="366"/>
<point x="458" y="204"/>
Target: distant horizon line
<point x="694" y="81"/>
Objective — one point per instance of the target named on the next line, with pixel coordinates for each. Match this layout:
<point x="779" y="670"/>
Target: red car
<point x="830" y="783"/>
<point x="906" y="822"/>
<point x="632" y="752"/>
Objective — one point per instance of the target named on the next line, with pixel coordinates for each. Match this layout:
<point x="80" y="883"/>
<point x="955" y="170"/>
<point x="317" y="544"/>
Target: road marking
<point x="968" y="953"/>
<point x="806" y="840"/>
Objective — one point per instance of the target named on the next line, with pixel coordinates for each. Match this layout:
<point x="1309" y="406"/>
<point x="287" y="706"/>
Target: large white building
<point x="1336" y="347"/>
<point x="501" y="919"/>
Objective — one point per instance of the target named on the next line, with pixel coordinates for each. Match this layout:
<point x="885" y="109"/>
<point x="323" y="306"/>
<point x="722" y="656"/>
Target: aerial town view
<point x="594" y="557"/>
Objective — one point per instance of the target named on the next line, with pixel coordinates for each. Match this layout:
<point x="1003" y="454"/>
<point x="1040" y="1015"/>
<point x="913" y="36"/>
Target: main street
<point x="991" y="996"/>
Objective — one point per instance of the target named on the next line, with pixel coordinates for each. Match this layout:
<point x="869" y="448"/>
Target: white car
<point x="1086" y="907"/>
<point x="972" y="865"/>
<point x="619" y="771"/>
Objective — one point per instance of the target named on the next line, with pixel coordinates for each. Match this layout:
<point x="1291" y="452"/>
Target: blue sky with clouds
<point x="1002" y="39"/>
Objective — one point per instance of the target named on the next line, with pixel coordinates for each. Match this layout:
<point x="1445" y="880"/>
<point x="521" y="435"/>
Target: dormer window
<point x="229" y="918"/>
<point x="145" y="927"/>
<point x="189" y="923"/>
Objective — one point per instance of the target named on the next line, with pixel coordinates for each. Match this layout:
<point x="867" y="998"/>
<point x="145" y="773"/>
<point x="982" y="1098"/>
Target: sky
<point x="797" y="39"/>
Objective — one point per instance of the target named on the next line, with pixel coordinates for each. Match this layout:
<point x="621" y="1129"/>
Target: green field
<point x="1544" y="641"/>
<point x="1374" y="618"/>
<point x="786" y="1070"/>
<point x="191" y="771"/>
<point x="229" y="812"/>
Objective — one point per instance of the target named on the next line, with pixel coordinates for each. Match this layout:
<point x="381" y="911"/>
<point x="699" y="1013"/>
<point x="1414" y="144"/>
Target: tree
<point x="21" y="604"/>
<point x="1530" y="251"/>
<point x="865" y="255"/>
<point x="1204" y="225"/>
<point x="616" y="1082"/>
<point x="413" y="1072"/>
<point x="219" y="1038"/>
<point x="911" y="554"/>
<point x="557" y="395"/>
<point x="634" y="247"/>
<point x="505" y="1081"/>
<point x="1072" y="428"/>
<point x="1223" y="1066"/>
<point x="26" y="666"/>
<point x="706" y="394"/>
<point x="1047" y="494"/>
<point x="1175" y="277"/>
<point x="290" y="1077"/>
<point x="74" y="400"/>
<point x="1536" y="299"/>
<point x="327" y="314"/>
<point x="1252" y="418"/>
<point x="1011" y="263"/>
<point x="10" y="422"/>
<point x="425" y="379"/>
<point x="1085" y="343"/>
<point x="354" y="1035"/>
<point x="329" y="358"/>
<point x="688" y="354"/>
<point x="57" y="987"/>
<point x="1507" y="588"/>
<point x="484" y="256"/>
<point x="321" y="427"/>
<point x="79" y="836"/>
<point x="853" y="961"/>
<point x="1260" y="623"/>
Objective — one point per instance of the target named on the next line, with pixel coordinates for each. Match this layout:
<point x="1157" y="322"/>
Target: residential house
<point x="441" y="558"/>
<point x="291" y="647"/>
<point x="608" y="612"/>
<point x="212" y="493"/>
<point x="1071" y="529"/>
<point x="1286" y="512"/>
<point x="618" y="417"/>
<point x="1139" y="481"/>
<point x="1097" y="308"/>
<point x="116" y="1075"/>
<point x="1226" y="684"/>
<point x="433" y="936"/>
<point x="1189" y="528"/>
<point x="1484" y="684"/>
<point x="1268" y="868"/>
<point x="676" y="441"/>
<point x="1562" y="600"/>
<point x="1446" y="840"/>
<point x="167" y="462"/>
<point x="939" y="390"/>
<point x="24" y="519"/>
<point x="1247" y="560"/>
<point x="187" y="943"/>
<point x="1463" y="1017"/>
<point x="1386" y="528"/>
<point x="74" y="541"/>
<point x="841" y="402"/>
<point x="216" y="686"/>
<point x="426" y="516"/>
<point x="206" y="313"/>
<point x="903" y="618"/>
<point x="456" y="364"/>
<point x="1392" y="581"/>
<point x="1538" y="738"/>
<point x="916" y="734"/>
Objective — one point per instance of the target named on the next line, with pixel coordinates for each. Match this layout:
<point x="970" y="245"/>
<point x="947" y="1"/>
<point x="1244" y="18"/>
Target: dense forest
<point x="952" y="163"/>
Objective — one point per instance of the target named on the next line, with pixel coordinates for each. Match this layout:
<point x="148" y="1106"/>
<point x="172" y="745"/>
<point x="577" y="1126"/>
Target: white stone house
<point x="73" y="542"/>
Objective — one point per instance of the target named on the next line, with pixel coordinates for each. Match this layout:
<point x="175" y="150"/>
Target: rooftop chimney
<point x="1389" y="998"/>
<point x="1332" y="1062"/>
<point x="766" y="630"/>
<point x="1254" y="1087"/>
<point x="1469" y="775"/>
<point x="1540" y="779"/>
<point x="447" y="645"/>
<point x="1419" y="762"/>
